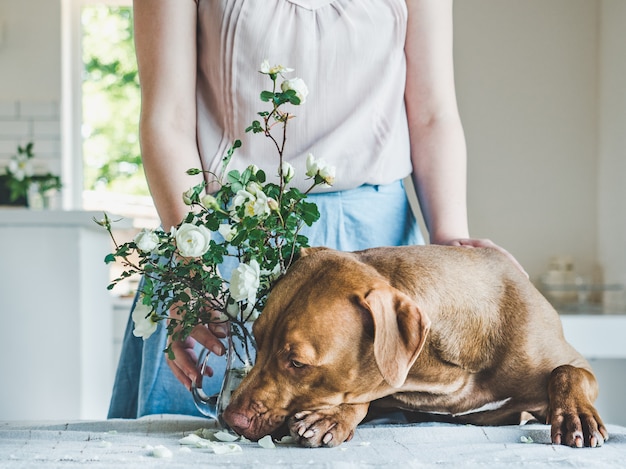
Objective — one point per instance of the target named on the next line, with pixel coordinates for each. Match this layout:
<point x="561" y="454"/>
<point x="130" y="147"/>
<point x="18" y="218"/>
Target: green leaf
<point x="267" y="96"/>
<point x="109" y="258"/>
<point x="233" y="176"/>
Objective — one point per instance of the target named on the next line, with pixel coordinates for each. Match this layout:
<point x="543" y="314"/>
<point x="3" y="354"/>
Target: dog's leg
<point x="327" y="427"/>
<point x="574" y="419"/>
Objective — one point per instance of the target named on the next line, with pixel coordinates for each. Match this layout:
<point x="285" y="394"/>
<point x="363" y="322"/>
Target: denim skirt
<point x="361" y="218"/>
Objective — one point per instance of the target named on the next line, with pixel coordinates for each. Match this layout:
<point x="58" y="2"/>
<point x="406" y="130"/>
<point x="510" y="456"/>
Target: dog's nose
<point x="236" y="421"/>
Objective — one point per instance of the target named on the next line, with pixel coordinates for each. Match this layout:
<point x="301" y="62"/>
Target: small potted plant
<point x="22" y="186"/>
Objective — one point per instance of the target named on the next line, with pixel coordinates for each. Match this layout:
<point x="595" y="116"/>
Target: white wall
<point x="526" y="80"/>
<point x="30" y="81"/>
<point x="30" y="50"/>
<point x="612" y="142"/>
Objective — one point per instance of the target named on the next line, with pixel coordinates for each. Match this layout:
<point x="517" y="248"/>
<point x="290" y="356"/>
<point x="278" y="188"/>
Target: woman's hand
<point x="484" y="243"/>
<point x="185" y="359"/>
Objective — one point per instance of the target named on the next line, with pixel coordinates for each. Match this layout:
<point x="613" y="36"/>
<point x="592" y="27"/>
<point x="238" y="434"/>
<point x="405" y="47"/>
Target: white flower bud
<point x="188" y="196"/>
<point x="210" y="202"/>
<point x="298" y="85"/>
<point x="288" y="172"/>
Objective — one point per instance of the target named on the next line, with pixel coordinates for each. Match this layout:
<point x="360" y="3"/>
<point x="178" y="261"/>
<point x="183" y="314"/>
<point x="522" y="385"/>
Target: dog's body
<point x="441" y="330"/>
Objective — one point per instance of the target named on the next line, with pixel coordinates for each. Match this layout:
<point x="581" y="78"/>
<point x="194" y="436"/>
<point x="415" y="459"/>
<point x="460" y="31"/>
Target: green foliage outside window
<point x="111" y="102"/>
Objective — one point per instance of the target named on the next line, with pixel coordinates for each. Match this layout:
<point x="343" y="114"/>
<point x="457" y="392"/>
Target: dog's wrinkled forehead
<point x="327" y="272"/>
<point x="323" y="280"/>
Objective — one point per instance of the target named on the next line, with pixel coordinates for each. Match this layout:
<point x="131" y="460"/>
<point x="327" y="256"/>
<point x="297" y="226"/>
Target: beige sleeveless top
<point x="350" y="53"/>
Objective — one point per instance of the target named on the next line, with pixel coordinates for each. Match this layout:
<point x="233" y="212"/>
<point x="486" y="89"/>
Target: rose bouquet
<point x="253" y="221"/>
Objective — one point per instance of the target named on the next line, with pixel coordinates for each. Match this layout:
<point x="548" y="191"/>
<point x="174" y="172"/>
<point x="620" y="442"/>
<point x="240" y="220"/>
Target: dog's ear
<point x="400" y="330"/>
<point x="311" y="250"/>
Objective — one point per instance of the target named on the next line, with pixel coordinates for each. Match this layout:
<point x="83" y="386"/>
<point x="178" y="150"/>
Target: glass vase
<point x="236" y="363"/>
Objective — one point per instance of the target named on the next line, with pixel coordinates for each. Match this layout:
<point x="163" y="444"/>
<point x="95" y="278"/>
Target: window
<point x="101" y="111"/>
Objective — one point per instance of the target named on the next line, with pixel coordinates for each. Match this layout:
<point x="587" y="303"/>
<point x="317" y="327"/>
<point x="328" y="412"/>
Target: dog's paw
<point x="327" y="427"/>
<point x="575" y="421"/>
<point x="577" y="426"/>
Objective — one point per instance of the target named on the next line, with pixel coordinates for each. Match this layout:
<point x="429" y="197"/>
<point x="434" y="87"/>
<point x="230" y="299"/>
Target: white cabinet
<point x="56" y="326"/>
<point x="596" y="336"/>
<point x="601" y="338"/>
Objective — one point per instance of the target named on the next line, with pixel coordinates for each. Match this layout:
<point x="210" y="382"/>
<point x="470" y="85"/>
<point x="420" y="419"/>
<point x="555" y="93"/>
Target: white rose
<point x="20" y="167"/>
<point x="241" y="197"/>
<point x="227" y="231"/>
<point x="245" y="281"/>
<point x="288" y="172"/>
<point x="146" y="240"/>
<point x="192" y="240"/>
<point x="273" y="70"/>
<point x="265" y="66"/>
<point x="142" y="317"/>
<point x="254" y="199"/>
<point x="320" y="167"/>
<point x="258" y="206"/>
<point x="327" y="173"/>
<point x="254" y="188"/>
<point x="297" y="85"/>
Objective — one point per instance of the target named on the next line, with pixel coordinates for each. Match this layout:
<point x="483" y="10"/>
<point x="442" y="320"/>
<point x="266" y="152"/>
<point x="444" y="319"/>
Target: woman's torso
<point x="350" y="53"/>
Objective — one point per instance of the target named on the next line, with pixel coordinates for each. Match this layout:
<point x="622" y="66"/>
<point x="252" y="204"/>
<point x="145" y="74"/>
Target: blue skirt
<point x="361" y="218"/>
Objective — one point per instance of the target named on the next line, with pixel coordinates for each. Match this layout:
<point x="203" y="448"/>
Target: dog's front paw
<point x="577" y="426"/>
<point x="574" y="420"/>
<point x="327" y="427"/>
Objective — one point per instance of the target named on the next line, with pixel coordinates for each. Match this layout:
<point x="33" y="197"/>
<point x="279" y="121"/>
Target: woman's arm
<point x="165" y="42"/>
<point x="438" y="149"/>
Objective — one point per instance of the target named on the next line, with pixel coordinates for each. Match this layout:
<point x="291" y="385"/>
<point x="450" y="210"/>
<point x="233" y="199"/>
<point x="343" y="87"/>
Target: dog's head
<point x="333" y="331"/>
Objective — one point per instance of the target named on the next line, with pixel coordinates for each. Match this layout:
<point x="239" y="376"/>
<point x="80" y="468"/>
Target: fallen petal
<point x="266" y="442"/>
<point x="226" y="448"/>
<point x="225" y="436"/>
<point x="161" y="451"/>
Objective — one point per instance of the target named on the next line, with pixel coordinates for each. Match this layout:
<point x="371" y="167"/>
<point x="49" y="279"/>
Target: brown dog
<point x="439" y="330"/>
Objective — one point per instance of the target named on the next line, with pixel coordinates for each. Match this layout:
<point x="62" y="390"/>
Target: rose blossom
<point x="192" y="240"/>
<point x="244" y="282"/>
<point x="320" y="167"/>
<point x="254" y="200"/>
<point x="227" y="231"/>
<point x="275" y="70"/>
<point x="258" y="206"/>
<point x="20" y="167"/>
<point x="142" y="317"/>
<point x="147" y="240"/>
<point x="297" y="85"/>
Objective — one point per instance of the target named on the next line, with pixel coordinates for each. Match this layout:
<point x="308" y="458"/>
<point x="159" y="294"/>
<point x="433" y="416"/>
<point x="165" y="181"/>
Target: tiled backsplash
<point x="31" y="121"/>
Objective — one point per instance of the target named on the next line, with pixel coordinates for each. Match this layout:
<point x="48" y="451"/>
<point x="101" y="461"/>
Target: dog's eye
<point x="296" y="364"/>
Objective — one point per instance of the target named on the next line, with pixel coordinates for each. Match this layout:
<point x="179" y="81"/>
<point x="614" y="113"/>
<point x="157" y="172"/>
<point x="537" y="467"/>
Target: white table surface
<point x="127" y="443"/>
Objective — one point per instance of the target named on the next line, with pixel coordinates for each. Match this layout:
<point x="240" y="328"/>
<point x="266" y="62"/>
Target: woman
<point x="381" y="107"/>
